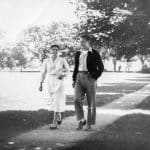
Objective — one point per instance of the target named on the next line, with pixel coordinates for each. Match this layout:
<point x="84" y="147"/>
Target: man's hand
<point x="41" y="87"/>
<point x="73" y="84"/>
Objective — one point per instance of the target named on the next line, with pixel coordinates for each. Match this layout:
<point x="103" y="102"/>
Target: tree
<point x="3" y="53"/>
<point x="3" y="56"/>
<point x="99" y="17"/>
<point x="39" y="39"/>
<point x="9" y="62"/>
<point x="132" y="36"/>
<point x="18" y="54"/>
<point x="122" y="25"/>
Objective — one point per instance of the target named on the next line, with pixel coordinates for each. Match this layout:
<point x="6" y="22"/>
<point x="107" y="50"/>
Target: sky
<point x="16" y="15"/>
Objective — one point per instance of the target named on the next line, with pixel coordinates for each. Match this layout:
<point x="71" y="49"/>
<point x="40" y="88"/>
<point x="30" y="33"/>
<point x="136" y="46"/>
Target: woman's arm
<point x="66" y="67"/>
<point x="43" y="71"/>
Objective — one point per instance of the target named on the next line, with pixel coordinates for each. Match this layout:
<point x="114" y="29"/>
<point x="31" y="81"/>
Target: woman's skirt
<point x="56" y="90"/>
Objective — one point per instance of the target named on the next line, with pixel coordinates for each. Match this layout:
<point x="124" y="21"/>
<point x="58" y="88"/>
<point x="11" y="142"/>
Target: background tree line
<point x="119" y="29"/>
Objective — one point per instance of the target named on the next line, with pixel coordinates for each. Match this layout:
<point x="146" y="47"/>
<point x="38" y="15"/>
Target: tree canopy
<point x="119" y="24"/>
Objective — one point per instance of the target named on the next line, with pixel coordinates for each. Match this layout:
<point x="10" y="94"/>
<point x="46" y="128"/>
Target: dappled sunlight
<point x="108" y="93"/>
<point x="123" y="78"/>
<point x="103" y="84"/>
<point x="139" y="80"/>
<point x="120" y="112"/>
<point x="146" y="92"/>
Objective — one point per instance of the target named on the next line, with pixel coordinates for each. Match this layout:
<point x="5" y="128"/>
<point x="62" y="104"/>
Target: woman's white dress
<point x="56" y="87"/>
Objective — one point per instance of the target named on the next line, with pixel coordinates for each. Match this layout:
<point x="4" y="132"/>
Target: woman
<point x="56" y="68"/>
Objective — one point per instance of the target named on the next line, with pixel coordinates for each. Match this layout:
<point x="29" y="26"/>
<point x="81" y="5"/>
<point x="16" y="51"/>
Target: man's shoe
<point x="59" y="122"/>
<point x="88" y="128"/>
<point x="81" y="124"/>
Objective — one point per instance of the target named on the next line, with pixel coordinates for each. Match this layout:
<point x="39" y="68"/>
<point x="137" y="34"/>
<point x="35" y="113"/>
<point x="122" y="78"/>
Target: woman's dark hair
<point x="55" y="45"/>
<point x="86" y="37"/>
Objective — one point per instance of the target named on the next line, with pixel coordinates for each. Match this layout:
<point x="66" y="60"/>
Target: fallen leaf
<point x="11" y="143"/>
<point x="60" y="144"/>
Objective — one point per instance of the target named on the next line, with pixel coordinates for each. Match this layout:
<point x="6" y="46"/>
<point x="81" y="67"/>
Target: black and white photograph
<point x="74" y="74"/>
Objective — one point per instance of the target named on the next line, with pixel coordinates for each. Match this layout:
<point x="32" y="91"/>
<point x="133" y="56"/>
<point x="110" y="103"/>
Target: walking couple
<point x="88" y="68"/>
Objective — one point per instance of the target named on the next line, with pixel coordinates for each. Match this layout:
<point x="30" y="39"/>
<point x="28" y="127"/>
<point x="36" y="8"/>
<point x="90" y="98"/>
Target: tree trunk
<point x="21" y="69"/>
<point x="128" y="66"/>
<point x="142" y="62"/>
<point x="141" y="57"/>
<point x="115" y="64"/>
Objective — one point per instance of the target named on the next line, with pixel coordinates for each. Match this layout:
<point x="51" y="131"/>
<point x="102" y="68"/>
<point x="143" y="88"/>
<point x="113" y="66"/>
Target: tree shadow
<point x="13" y="123"/>
<point x="110" y="92"/>
<point x="128" y="133"/>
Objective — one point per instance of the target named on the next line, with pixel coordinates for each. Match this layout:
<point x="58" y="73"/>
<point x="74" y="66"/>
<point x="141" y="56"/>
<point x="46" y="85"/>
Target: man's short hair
<point x="55" y="45"/>
<point x="86" y="37"/>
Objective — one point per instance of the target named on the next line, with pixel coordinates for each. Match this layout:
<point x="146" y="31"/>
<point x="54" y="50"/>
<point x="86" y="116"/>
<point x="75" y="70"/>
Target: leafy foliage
<point x="18" y="54"/>
<point x="119" y="25"/>
<point x="3" y="55"/>
<point x="39" y="39"/>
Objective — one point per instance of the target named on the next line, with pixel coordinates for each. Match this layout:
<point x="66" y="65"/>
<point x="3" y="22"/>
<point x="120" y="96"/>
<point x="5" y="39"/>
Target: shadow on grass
<point x="123" y="87"/>
<point x="114" y="90"/>
<point x="128" y="133"/>
<point x="100" y="99"/>
<point x="141" y="79"/>
<point x="13" y="123"/>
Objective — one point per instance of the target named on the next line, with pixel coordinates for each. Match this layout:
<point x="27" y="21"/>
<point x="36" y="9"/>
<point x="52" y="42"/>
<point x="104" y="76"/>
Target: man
<point x="88" y="68"/>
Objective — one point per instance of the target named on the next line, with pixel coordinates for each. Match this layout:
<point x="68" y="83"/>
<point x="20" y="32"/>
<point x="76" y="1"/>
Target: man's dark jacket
<point x="94" y="64"/>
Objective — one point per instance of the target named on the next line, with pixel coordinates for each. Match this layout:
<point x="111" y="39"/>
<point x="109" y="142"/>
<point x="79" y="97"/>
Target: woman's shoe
<point x="88" y="128"/>
<point x="53" y="126"/>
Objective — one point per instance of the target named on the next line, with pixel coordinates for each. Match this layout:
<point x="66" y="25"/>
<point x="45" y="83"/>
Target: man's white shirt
<point x="83" y="60"/>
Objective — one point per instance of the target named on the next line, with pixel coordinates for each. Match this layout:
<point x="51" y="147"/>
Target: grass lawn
<point x="122" y="88"/>
<point x="128" y="133"/>
<point x="13" y="123"/>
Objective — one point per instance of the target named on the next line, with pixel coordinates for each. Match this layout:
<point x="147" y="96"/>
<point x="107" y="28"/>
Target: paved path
<point x="67" y="134"/>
